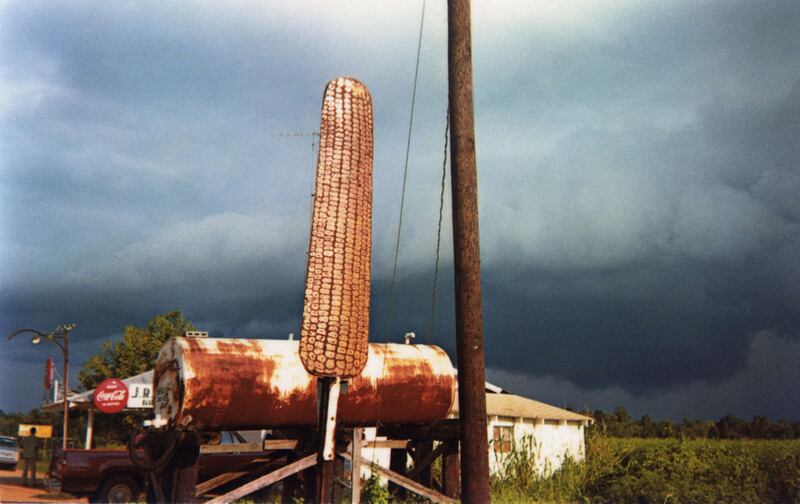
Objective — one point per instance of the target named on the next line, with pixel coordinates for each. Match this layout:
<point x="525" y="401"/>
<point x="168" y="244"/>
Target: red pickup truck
<point x="108" y="475"/>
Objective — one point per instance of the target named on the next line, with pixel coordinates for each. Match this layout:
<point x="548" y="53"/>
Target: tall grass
<point x="658" y="471"/>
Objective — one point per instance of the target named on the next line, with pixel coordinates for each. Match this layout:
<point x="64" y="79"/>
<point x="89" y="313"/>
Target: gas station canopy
<point x="140" y="396"/>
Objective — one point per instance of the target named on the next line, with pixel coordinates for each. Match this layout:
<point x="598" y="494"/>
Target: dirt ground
<point x="11" y="489"/>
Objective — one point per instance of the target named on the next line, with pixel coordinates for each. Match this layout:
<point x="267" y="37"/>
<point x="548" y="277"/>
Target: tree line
<point x="619" y="423"/>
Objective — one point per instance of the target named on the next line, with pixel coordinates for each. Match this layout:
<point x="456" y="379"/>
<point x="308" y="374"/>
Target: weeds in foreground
<point x="373" y="491"/>
<point x="658" y="471"/>
<point x="663" y="471"/>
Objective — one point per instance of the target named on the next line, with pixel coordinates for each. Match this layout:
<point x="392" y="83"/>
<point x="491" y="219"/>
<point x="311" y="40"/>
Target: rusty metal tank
<point x="227" y="384"/>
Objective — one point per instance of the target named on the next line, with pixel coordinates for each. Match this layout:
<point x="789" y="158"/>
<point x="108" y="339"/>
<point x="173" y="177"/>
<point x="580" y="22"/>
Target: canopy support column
<point x="89" y="429"/>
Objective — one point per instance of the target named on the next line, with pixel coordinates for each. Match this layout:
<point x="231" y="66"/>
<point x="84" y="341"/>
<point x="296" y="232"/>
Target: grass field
<point x="662" y="471"/>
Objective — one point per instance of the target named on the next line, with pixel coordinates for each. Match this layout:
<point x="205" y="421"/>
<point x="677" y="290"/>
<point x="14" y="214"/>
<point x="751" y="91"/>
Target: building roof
<point x="510" y="405"/>
<point x="491" y="387"/>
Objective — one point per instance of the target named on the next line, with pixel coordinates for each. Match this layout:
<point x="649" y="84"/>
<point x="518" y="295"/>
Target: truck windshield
<point x="7" y="443"/>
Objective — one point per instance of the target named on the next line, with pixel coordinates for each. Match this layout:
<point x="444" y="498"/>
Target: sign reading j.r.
<point x="141" y="396"/>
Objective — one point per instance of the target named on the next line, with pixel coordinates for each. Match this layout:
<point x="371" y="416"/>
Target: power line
<point x="439" y="229"/>
<point x="405" y="176"/>
<point x="312" y="190"/>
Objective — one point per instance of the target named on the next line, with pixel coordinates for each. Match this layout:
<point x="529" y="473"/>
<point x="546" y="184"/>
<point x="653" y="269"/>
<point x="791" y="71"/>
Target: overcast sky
<point x="639" y="171"/>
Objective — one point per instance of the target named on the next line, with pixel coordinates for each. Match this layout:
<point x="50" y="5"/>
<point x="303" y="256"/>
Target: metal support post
<point x="89" y="429"/>
<point x="65" y="351"/>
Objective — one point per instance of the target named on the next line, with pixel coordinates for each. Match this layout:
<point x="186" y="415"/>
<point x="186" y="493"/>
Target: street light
<point x="59" y="336"/>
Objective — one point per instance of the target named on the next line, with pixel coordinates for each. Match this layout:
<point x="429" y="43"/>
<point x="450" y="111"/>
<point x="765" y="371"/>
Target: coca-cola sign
<point x="111" y="396"/>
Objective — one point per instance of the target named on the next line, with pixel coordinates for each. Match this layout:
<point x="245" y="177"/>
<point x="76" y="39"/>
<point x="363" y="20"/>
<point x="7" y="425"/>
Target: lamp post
<point x="59" y="336"/>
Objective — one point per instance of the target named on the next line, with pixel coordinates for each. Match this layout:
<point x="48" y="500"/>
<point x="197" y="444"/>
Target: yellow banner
<point x="42" y="431"/>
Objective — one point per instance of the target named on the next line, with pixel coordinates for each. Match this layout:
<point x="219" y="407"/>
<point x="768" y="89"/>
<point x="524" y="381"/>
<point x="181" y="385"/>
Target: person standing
<point x="30" y="453"/>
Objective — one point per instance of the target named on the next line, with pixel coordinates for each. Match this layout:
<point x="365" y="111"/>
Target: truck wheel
<point x="118" y="489"/>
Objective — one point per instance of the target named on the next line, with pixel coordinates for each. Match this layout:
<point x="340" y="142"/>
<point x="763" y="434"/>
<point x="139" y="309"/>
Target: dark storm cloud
<point x="765" y="385"/>
<point x="663" y="293"/>
<point x="654" y="231"/>
<point x="638" y="170"/>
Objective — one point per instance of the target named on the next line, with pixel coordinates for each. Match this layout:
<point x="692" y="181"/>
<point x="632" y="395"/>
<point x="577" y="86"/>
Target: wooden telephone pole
<point x="466" y="251"/>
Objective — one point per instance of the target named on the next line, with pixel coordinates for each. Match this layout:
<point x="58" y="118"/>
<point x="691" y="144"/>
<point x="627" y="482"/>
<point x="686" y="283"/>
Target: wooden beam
<point x="339" y="484"/>
<point x="290" y="483"/>
<point x="281" y="444"/>
<point x="404" y="482"/>
<point x="267" y="445"/>
<point x="421" y="472"/>
<point x="395" y="444"/>
<point x="217" y="481"/>
<point x="439" y="431"/>
<point x="309" y="483"/>
<point x="398" y="463"/>
<point x="183" y="468"/>
<point x="355" y="472"/>
<point x="232" y="448"/>
<point x="266" y="480"/>
<point x="427" y="461"/>
<point x="451" y="474"/>
<point x="327" y="402"/>
<point x="223" y="478"/>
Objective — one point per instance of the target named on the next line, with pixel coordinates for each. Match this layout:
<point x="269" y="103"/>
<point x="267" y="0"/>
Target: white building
<point x="549" y="434"/>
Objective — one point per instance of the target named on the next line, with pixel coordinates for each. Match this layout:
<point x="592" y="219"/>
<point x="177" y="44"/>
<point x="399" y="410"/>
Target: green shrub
<point x="374" y="492"/>
<point x="659" y="471"/>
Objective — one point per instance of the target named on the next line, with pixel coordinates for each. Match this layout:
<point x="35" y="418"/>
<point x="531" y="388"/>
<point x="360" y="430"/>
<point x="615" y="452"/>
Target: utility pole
<point x="466" y="252"/>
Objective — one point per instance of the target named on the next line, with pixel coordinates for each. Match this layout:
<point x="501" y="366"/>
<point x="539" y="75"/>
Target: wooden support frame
<point x="426" y="462"/>
<point x="403" y="481"/>
<point x="266" y="480"/>
<point x="298" y="461"/>
<point x="218" y="481"/>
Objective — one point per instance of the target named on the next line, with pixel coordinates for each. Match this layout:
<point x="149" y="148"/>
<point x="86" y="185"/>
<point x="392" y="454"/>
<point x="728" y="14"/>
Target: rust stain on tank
<point x="222" y="384"/>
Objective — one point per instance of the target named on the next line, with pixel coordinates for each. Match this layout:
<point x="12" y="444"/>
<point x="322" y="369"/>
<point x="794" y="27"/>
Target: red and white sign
<point x="111" y="396"/>
<point x="48" y="374"/>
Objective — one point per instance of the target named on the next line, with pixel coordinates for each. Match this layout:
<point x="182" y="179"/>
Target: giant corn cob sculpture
<point x="335" y="330"/>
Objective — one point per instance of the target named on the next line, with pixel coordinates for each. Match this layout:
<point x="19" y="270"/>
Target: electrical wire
<point x="400" y="220"/>
<point x="439" y="229"/>
<point x="405" y="177"/>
